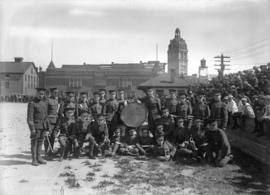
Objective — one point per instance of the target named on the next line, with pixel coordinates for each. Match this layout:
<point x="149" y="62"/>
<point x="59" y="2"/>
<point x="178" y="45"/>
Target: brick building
<point x="90" y="77"/>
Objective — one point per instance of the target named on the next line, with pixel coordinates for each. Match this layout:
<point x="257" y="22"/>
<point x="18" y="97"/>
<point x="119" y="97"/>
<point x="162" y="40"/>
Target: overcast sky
<point x="123" y="31"/>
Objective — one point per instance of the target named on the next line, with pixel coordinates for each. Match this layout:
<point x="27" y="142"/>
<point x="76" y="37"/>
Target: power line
<point x="248" y="46"/>
<point x="222" y="59"/>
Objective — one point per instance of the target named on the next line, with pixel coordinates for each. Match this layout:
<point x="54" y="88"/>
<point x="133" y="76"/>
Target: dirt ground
<point x="120" y="175"/>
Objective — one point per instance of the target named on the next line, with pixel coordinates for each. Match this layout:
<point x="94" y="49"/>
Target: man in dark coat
<point x="172" y="102"/>
<point x="219" y="148"/>
<point x="219" y="112"/>
<point x="37" y="119"/>
<point x="153" y="105"/>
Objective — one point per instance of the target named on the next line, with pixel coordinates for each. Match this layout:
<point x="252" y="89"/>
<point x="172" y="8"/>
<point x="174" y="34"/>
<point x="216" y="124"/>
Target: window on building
<point x="25" y="77"/>
<point x="31" y="70"/>
<point x="7" y="84"/>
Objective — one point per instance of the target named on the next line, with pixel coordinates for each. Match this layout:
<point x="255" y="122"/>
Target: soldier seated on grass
<point x="145" y="141"/>
<point x="163" y="150"/>
<point x="64" y="128"/>
<point x="128" y="146"/>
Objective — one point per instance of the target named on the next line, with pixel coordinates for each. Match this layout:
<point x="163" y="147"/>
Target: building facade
<point x="91" y="77"/>
<point x="178" y="55"/>
<point x="18" y="77"/>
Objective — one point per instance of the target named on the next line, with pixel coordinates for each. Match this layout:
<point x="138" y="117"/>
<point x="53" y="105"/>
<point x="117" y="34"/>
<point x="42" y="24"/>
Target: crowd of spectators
<point x="15" y="98"/>
<point x="247" y="96"/>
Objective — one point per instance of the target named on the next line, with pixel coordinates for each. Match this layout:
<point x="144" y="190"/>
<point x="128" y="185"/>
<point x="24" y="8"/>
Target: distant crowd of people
<point x="246" y="95"/>
<point x="15" y="98"/>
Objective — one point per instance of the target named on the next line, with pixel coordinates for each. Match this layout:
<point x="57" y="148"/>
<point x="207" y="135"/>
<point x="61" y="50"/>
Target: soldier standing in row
<point x="219" y="111"/>
<point x="201" y="110"/>
<point x="53" y="108"/>
<point x="38" y="125"/>
<point x="172" y="103"/>
<point x="96" y="108"/>
<point x="102" y="93"/>
<point x="184" y="110"/>
<point x="111" y="108"/>
<point x="153" y="105"/>
<point x="69" y="103"/>
<point x="83" y="104"/>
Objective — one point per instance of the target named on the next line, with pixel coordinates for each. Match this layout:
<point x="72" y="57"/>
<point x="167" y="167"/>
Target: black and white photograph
<point x="134" y="97"/>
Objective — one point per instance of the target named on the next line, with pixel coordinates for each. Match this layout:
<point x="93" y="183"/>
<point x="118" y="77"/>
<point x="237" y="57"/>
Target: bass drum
<point x="134" y="114"/>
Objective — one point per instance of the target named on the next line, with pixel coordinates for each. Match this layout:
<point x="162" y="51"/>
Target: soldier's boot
<point x="39" y="148"/>
<point x="34" y="152"/>
<point x="91" y="151"/>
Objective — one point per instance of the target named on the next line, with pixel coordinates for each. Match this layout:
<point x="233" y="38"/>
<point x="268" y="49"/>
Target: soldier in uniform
<point x="102" y="93"/>
<point x="38" y="124"/>
<point x="63" y="130"/>
<point x="219" y="112"/>
<point x="219" y="148"/>
<point x="163" y="150"/>
<point x="101" y="141"/>
<point x="167" y="121"/>
<point x="80" y="132"/>
<point x="53" y="108"/>
<point x="96" y="108"/>
<point x="122" y="102"/>
<point x="172" y="102"/>
<point x="83" y="103"/>
<point x="111" y="108"/>
<point x="201" y="110"/>
<point x="184" y="110"/>
<point x="153" y="105"/>
<point x="68" y="103"/>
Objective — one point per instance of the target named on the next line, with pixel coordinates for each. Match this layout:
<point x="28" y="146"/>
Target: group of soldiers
<point x="185" y="126"/>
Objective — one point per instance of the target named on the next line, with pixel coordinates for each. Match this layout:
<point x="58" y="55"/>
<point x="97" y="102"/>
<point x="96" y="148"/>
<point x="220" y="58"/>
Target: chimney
<point x="173" y="75"/>
<point x="18" y="59"/>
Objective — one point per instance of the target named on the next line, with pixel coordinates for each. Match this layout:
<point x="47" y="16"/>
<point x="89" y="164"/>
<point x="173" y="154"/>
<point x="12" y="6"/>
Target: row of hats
<point x="83" y="93"/>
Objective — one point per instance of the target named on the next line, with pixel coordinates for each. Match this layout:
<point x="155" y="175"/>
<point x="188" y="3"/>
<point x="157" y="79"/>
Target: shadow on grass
<point x="20" y="156"/>
<point x="13" y="162"/>
<point x="253" y="175"/>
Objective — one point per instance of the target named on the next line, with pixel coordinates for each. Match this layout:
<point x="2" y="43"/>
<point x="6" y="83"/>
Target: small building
<point x="164" y="82"/>
<point x="18" y="77"/>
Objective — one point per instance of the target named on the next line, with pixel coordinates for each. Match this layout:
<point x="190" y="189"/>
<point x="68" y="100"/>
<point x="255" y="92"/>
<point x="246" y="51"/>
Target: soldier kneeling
<point x="99" y="138"/>
<point x="219" y="148"/>
<point x="64" y="128"/>
<point x="80" y="133"/>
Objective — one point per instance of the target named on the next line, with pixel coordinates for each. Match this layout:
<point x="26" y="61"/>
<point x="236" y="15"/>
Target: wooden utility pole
<point x="222" y="65"/>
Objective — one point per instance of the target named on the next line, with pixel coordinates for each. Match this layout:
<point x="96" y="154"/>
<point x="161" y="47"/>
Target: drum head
<point x="134" y="114"/>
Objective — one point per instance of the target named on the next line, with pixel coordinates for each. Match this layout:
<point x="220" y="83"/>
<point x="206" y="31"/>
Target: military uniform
<point x="82" y="128"/>
<point x="183" y="110"/>
<point x="201" y="111"/>
<point x="65" y="128"/>
<point x="220" y="113"/>
<point x="218" y="144"/>
<point x="154" y="108"/>
<point x="111" y="108"/>
<point x="100" y="139"/>
<point x="164" y="151"/>
<point x="37" y="119"/>
<point x="53" y="108"/>
<point x="96" y="109"/>
<point x="172" y="105"/>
